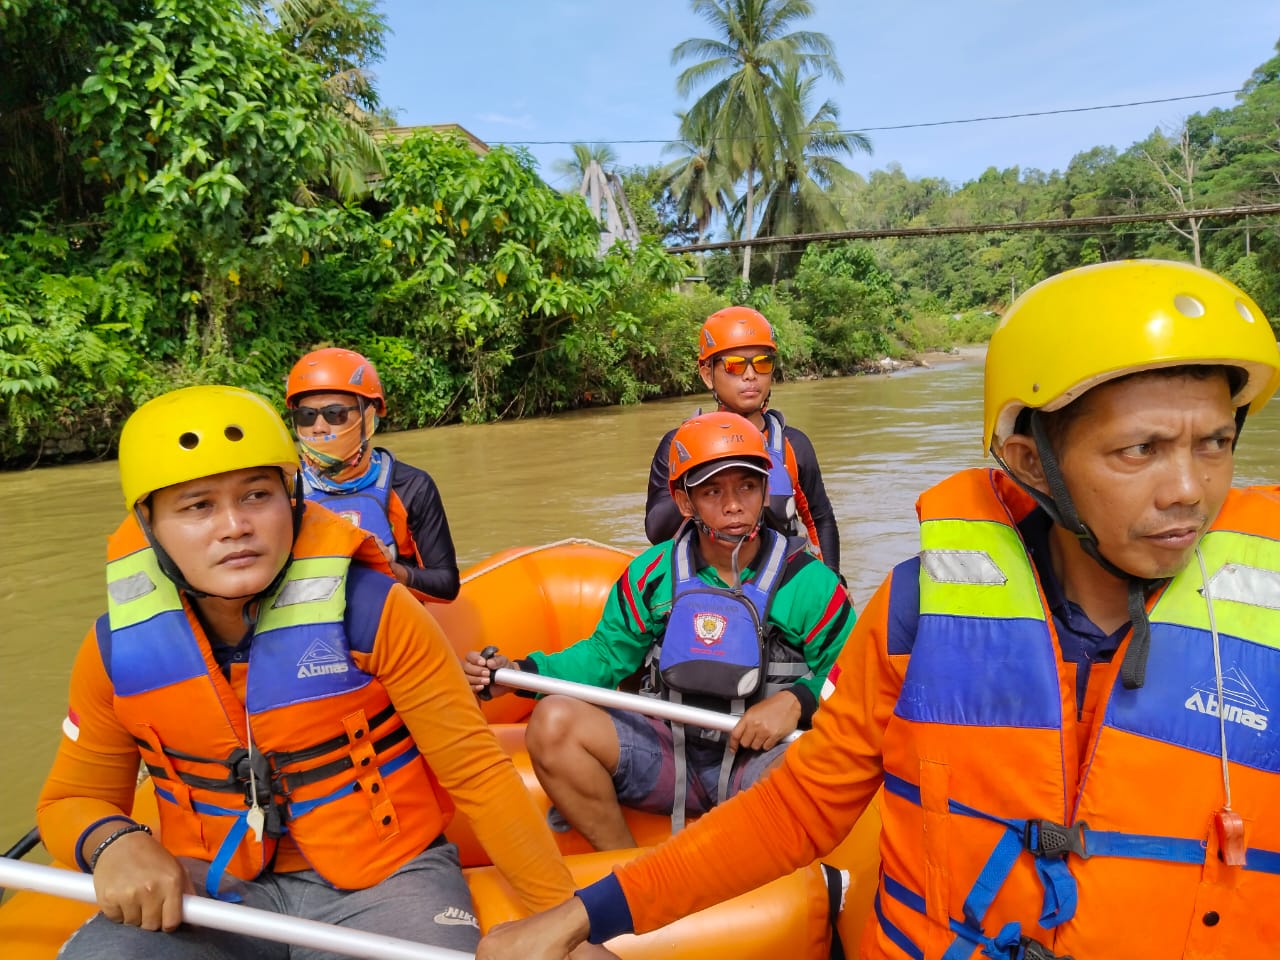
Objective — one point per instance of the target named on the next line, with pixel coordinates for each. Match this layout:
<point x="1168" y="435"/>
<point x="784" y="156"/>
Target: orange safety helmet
<point x="335" y="370"/>
<point x="732" y="328"/>
<point x="711" y="442"/>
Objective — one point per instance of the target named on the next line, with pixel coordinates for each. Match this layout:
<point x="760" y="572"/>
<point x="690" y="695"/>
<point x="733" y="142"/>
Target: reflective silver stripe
<point x="682" y="550"/>
<point x="774" y="426"/>
<point x="773" y="565"/>
<point x="972" y="567"/>
<point x="789" y="668"/>
<point x="384" y="481"/>
<point x="307" y="590"/>
<point x="776" y="439"/>
<point x="771" y="688"/>
<point x="132" y="587"/>
<point x="1242" y="584"/>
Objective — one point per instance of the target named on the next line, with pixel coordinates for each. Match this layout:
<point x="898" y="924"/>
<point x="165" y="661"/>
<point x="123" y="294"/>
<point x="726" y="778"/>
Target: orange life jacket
<point x="999" y="839"/>
<point x="330" y="762"/>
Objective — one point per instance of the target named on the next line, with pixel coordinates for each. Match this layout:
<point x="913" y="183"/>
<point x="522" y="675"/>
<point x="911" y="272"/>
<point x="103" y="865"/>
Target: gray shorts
<point x="645" y="778"/>
<point x="426" y="901"/>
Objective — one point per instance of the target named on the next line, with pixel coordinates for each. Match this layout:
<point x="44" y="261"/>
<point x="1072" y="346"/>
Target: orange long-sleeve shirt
<point x="94" y="774"/>
<point x="805" y="807"/>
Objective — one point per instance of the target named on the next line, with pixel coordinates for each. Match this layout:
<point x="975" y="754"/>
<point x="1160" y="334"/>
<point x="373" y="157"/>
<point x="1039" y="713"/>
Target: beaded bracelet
<point x="112" y="838"/>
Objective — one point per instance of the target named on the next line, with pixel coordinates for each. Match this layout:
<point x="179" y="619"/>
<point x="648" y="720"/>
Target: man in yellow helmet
<point x="305" y="722"/>
<point x="1068" y="694"/>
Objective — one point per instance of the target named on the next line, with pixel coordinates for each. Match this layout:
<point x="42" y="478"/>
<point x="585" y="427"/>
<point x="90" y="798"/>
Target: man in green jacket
<point x="727" y="615"/>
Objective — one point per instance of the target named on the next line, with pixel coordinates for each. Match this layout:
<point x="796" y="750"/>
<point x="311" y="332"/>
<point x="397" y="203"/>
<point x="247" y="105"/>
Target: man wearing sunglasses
<point x="335" y="399"/>
<point x="737" y="357"/>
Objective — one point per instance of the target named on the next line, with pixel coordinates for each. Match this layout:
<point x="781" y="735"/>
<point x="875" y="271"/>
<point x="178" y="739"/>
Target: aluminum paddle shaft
<point x="216" y="915"/>
<point x="601" y="697"/>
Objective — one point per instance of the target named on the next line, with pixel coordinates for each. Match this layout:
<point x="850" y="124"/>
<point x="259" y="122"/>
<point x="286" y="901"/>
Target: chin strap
<point x="1133" y="671"/>
<point x="737" y="541"/>
<point x="1062" y="510"/>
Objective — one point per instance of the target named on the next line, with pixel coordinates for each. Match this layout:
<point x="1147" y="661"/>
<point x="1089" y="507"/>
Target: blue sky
<point x="566" y="70"/>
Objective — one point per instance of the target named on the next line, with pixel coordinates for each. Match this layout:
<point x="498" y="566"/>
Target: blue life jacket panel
<point x="780" y="505"/>
<point x="368" y="508"/>
<point x="714" y="643"/>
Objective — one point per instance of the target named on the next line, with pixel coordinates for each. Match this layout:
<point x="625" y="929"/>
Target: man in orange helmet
<point x="737" y="358"/>
<point x="730" y="615"/>
<point x="335" y="400"/>
<point x="1067" y="693"/>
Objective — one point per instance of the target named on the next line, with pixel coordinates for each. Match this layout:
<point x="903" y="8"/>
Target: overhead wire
<point x="893" y="126"/>
<point x="895" y="233"/>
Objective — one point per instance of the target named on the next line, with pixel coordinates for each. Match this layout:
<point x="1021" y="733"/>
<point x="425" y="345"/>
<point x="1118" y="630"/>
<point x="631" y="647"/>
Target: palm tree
<point x="698" y="178"/>
<point x="583" y="153"/>
<point x="799" y="187"/>
<point x="753" y="49"/>
<point x="345" y="38"/>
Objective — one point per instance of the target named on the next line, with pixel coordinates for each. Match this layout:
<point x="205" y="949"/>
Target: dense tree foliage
<point x="200" y="221"/>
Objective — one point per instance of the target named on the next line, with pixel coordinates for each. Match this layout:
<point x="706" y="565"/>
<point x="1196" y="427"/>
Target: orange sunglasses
<point x="760" y="363"/>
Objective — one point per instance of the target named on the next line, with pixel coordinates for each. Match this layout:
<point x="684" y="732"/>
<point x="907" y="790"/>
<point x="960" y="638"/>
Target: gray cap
<point x="707" y="471"/>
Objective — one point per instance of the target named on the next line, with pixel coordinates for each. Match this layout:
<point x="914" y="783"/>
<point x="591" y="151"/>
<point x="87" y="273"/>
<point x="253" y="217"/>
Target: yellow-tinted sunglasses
<point x="760" y="363"/>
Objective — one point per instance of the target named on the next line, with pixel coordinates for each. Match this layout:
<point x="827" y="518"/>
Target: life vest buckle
<point x="259" y="789"/>
<point x="1044" y="838"/>
<point x="1029" y="949"/>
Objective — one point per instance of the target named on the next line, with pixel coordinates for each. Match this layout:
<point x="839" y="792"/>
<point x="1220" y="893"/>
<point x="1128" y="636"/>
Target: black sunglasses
<point x="335" y="414"/>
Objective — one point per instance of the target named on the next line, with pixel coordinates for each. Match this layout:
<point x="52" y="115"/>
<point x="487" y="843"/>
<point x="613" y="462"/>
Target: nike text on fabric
<point x="456" y="917"/>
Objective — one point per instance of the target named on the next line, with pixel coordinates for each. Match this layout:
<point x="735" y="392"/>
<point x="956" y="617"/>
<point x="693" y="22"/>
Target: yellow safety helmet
<point x="198" y="432"/>
<point x="1086" y="326"/>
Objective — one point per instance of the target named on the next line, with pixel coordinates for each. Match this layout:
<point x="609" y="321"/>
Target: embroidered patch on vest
<point x="308" y="590"/>
<point x="131" y="587"/>
<point x="971" y="567"/>
<point x="709" y="627"/>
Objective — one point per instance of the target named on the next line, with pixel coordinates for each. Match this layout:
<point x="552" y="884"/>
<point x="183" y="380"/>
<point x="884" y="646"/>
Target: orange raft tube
<point x="545" y="598"/>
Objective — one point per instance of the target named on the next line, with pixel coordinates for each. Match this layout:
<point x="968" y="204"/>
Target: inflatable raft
<point x="544" y="598"/>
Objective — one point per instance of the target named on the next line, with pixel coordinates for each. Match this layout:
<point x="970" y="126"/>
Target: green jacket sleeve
<point x="815" y="615"/>
<point x="617" y="647"/>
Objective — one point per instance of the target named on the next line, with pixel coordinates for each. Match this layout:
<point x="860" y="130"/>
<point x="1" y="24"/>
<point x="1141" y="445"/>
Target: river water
<point x="880" y="440"/>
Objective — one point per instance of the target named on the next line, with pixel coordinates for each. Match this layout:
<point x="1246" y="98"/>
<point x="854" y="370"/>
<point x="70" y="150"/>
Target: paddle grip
<point x="485" y="693"/>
